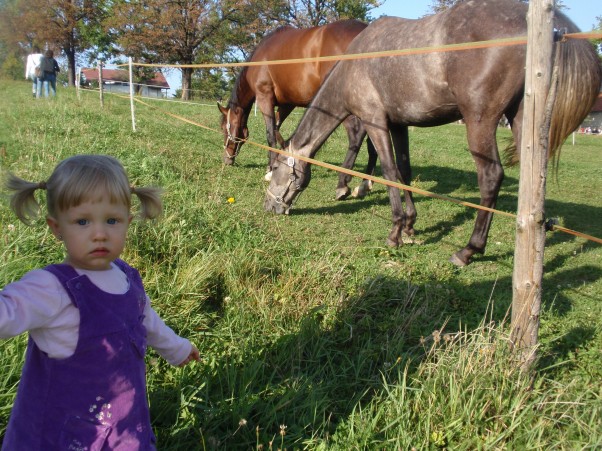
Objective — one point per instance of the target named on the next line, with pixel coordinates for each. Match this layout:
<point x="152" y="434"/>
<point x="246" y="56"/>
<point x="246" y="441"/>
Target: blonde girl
<point x="89" y="319"/>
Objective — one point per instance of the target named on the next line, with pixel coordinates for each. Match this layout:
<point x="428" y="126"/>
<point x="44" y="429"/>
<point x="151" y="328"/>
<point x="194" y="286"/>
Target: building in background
<point x="117" y="80"/>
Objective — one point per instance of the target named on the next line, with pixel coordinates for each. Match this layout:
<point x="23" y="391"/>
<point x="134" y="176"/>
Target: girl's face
<point x="93" y="232"/>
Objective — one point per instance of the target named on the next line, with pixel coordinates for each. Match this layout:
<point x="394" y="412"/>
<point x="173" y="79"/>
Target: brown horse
<point x="288" y="86"/>
<point x="480" y="86"/>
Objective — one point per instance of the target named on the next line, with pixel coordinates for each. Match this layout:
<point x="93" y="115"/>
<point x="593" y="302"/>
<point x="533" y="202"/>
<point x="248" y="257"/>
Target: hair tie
<point x="42" y="185"/>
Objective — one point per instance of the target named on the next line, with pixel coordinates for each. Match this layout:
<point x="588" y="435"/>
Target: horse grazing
<point x="288" y="86"/>
<point x="389" y="94"/>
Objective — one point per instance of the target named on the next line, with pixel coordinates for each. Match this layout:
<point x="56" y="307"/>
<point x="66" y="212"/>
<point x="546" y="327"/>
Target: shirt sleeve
<point x="29" y="66"/>
<point x="33" y="302"/>
<point x="163" y="339"/>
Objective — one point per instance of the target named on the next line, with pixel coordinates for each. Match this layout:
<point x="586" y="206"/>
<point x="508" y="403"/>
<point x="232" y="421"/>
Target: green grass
<point x="314" y="335"/>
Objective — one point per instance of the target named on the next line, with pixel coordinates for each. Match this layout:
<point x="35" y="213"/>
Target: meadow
<point x="313" y="333"/>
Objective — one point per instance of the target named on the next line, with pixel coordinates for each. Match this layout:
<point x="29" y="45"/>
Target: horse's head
<point x="235" y="131"/>
<point x="289" y="177"/>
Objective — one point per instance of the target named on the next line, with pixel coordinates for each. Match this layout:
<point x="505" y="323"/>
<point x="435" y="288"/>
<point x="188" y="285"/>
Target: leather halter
<point x="292" y="182"/>
<point x="237" y="141"/>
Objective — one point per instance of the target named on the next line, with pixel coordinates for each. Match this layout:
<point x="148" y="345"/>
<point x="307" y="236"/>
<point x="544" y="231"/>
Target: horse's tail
<point x="578" y="77"/>
<point x="579" y="73"/>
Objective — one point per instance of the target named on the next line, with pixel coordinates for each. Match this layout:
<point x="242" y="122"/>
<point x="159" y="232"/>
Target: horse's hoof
<point x="458" y="261"/>
<point x="409" y="232"/>
<point x="342" y="193"/>
<point x="392" y="243"/>
<point x="406" y="239"/>
<point x="362" y="189"/>
<point x="358" y="193"/>
<point x="268" y="176"/>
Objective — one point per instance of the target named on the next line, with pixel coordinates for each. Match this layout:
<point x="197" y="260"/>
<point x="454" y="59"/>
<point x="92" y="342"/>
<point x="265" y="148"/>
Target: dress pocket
<point x="79" y="434"/>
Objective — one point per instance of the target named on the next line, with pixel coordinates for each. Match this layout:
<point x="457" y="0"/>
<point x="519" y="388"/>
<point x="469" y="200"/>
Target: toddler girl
<point x="89" y="319"/>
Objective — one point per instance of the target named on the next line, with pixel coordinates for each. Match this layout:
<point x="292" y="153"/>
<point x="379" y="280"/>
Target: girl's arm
<point x="177" y="350"/>
<point x="33" y="302"/>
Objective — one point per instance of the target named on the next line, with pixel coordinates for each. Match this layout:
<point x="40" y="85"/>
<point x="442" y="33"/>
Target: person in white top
<point x="88" y="200"/>
<point x="33" y="60"/>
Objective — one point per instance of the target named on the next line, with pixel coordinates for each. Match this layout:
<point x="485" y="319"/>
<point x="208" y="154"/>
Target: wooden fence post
<point x="530" y="222"/>
<point x="78" y="81"/>
<point x="100" y="85"/>
<point x="132" y="94"/>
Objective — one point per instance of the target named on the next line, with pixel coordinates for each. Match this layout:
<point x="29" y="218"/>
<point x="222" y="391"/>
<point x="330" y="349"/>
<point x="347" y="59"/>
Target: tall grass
<point x="314" y="335"/>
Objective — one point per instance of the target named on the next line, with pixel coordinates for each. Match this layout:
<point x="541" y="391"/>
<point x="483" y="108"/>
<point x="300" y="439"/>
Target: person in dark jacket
<point x="50" y="68"/>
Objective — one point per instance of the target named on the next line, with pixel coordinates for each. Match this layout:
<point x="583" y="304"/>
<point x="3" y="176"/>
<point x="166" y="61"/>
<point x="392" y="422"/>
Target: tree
<point x="311" y="13"/>
<point x="182" y="32"/>
<point x="598" y="42"/>
<point x="11" y="52"/>
<point x="58" y="24"/>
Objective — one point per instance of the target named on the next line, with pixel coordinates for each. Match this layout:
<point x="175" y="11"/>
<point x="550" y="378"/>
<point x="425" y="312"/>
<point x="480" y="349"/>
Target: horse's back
<point x="296" y="84"/>
<point x="335" y="39"/>
<point x="432" y="88"/>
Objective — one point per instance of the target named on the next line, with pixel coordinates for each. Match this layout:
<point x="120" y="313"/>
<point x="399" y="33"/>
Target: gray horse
<point x="480" y="86"/>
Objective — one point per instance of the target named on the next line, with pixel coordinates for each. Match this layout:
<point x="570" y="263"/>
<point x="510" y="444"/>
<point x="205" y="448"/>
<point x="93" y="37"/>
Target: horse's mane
<point x="234" y="95"/>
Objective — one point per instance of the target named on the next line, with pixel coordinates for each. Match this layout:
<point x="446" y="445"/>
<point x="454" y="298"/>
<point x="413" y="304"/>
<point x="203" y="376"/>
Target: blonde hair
<point x="78" y="179"/>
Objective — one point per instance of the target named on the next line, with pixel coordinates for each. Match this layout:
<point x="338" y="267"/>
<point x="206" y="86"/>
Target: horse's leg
<point x="382" y="141"/>
<point x="401" y="143"/>
<point x="483" y="147"/>
<point x="283" y="112"/>
<point x="355" y="133"/>
<point x="365" y="185"/>
<point x="515" y="118"/>
<point x="266" y="103"/>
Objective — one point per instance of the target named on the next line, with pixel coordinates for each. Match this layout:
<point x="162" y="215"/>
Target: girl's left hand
<point x="194" y="355"/>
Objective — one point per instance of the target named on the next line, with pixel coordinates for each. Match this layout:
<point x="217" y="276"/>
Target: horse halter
<point x="237" y="141"/>
<point x="292" y="182"/>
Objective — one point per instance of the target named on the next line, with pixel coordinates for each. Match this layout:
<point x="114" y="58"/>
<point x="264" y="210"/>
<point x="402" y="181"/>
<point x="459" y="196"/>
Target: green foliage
<point x="313" y="334"/>
<point x="12" y="68"/>
<point x="208" y="84"/>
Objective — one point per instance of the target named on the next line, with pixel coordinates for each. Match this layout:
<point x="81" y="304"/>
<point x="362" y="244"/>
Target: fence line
<point x="504" y="42"/>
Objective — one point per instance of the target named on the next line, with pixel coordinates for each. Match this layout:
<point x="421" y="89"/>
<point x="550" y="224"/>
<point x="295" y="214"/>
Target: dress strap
<point x="65" y="273"/>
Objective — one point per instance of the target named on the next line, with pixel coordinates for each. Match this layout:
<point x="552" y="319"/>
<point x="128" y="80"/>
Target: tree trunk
<point x="70" y="66"/>
<point x="186" y="83"/>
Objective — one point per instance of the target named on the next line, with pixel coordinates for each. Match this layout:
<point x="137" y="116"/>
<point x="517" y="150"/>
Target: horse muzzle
<point x="275" y="204"/>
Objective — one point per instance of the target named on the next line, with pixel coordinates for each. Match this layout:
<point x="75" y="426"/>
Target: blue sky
<point x="582" y="12"/>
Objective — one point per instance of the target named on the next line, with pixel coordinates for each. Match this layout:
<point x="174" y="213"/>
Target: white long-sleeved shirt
<point x="33" y="61"/>
<point x="38" y="303"/>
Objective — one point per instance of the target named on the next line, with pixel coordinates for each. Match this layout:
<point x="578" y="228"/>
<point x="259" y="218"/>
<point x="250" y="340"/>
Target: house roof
<point x="119" y="75"/>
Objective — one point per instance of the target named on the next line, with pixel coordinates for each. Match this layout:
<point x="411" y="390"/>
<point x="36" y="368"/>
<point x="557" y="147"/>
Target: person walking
<point x="33" y="62"/>
<point x="49" y="70"/>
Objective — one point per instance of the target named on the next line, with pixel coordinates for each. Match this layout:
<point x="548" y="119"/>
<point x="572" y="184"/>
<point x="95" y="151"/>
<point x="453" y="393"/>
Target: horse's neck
<point x="318" y="123"/>
<point x="244" y="96"/>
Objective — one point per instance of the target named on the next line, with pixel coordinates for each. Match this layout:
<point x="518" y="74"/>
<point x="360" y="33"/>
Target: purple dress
<point x="95" y="399"/>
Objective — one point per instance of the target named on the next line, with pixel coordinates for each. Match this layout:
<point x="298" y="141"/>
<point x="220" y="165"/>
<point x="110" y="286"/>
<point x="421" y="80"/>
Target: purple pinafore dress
<point x="95" y="399"/>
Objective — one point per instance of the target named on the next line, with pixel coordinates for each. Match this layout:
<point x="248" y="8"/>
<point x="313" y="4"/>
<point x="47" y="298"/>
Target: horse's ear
<point x="222" y="109"/>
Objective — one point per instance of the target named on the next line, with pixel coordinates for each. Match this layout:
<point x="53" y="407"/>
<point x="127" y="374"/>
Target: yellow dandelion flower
<point x="230" y="200"/>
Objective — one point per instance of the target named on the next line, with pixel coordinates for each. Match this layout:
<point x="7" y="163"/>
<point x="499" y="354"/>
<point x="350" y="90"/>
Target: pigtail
<point x="22" y="201"/>
<point x="150" y="201"/>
